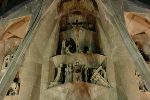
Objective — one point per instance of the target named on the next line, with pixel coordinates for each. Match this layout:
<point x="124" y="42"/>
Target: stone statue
<point x="67" y="50"/>
<point x="63" y="48"/>
<point x="97" y="77"/>
<point x="77" y="72"/>
<point x="6" y="63"/>
<point x="58" y="76"/>
<point x="68" y="73"/>
<point x="66" y="46"/>
<point x="141" y="82"/>
<point x="13" y="90"/>
<point x="14" y="87"/>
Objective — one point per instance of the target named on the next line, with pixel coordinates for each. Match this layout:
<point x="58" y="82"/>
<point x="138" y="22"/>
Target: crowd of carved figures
<point x="78" y="34"/>
<point x="76" y="72"/>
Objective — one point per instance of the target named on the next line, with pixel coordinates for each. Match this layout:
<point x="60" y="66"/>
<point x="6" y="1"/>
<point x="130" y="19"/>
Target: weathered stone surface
<point x="71" y="37"/>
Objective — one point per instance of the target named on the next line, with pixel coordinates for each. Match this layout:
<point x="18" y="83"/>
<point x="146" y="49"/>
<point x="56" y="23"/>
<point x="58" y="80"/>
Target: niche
<point x="78" y="33"/>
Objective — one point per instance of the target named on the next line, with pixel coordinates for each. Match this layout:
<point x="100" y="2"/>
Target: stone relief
<point x="6" y="63"/>
<point x="14" y="87"/>
<point x="12" y="35"/>
<point x="76" y="72"/>
<point x="78" y="35"/>
<point x="68" y="46"/>
<point x="141" y="82"/>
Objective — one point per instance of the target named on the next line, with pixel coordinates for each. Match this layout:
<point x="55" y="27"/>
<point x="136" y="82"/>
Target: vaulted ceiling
<point x="6" y="5"/>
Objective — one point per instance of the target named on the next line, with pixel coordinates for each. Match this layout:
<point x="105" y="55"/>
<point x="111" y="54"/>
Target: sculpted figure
<point x="67" y="50"/>
<point x="77" y="72"/>
<point x="58" y="76"/>
<point x="14" y="87"/>
<point x="68" y="46"/>
<point x="97" y="77"/>
<point x="63" y="47"/>
<point x="141" y="82"/>
<point x="13" y="90"/>
<point x="6" y="62"/>
<point x="68" y="73"/>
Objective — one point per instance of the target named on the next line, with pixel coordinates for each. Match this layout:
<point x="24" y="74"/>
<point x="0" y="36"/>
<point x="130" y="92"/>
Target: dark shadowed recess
<point x="144" y="3"/>
<point x="6" y="5"/>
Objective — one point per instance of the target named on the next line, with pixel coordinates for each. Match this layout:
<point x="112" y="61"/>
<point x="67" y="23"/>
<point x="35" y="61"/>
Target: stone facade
<point x="77" y="52"/>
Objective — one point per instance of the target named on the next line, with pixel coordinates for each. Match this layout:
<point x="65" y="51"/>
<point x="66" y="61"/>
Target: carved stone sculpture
<point x="97" y="77"/>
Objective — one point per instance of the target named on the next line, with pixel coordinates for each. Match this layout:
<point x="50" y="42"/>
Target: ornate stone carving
<point x="77" y="72"/>
<point x="99" y="77"/>
<point x="141" y="82"/>
<point x="14" y="87"/>
<point x="7" y="61"/>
